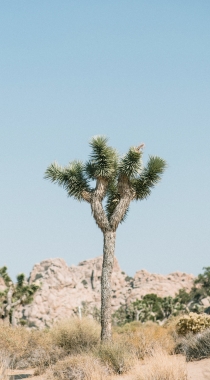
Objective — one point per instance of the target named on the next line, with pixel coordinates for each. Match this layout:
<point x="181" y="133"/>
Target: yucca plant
<point x="14" y="294"/>
<point x="118" y="179"/>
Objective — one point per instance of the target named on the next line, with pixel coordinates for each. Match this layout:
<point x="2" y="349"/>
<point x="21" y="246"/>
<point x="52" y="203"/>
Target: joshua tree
<point x="118" y="179"/>
<point x="14" y="294"/>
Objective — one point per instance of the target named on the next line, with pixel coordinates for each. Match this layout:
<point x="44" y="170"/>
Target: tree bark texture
<point x="108" y="227"/>
<point x="96" y="204"/>
<point x="126" y="196"/>
<point x="106" y="286"/>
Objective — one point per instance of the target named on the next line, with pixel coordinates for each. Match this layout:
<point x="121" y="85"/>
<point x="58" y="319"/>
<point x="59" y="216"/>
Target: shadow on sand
<point x="20" y="376"/>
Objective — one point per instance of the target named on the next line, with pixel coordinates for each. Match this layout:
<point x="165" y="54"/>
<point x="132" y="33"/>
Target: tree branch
<point x="86" y="196"/>
<point x="72" y="178"/>
<point x="10" y="294"/>
<point x="126" y="195"/>
<point x="19" y="301"/>
<point x="96" y="204"/>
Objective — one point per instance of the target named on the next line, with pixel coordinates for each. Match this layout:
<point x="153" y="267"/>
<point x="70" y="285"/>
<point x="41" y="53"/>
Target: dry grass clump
<point x="29" y="348"/>
<point x="40" y="352"/>
<point x="161" y="366"/>
<point x="81" y="340"/>
<point x="117" y="356"/>
<point x="14" y="340"/>
<point x="195" y="346"/>
<point x="171" y="324"/>
<point x="193" y="323"/>
<point x="78" y="367"/>
<point x="75" y="335"/>
<point x="144" y="338"/>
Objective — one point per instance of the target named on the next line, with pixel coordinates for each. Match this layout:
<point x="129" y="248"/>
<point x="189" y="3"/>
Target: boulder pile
<point x="65" y="291"/>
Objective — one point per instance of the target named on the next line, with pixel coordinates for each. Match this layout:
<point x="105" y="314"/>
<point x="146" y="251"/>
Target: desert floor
<point x="198" y="370"/>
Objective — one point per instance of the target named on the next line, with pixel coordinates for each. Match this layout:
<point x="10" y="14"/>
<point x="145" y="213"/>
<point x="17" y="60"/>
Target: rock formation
<point x="65" y="290"/>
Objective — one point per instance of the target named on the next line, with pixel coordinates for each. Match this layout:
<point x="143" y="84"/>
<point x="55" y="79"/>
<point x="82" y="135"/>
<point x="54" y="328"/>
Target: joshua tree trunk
<point x="13" y="319"/>
<point x="106" y="285"/>
<point x="109" y="232"/>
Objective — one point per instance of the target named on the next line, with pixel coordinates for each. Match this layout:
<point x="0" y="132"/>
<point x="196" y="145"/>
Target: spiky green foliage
<point x="104" y="163"/>
<point x="103" y="159"/>
<point x="71" y="177"/>
<point x="142" y="182"/>
<point x="149" y="177"/>
<point x="5" y="276"/>
<point x="150" y="307"/>
<point x="21" y="292"/>
<point x="201" y="288"/>
<point x="204" y="280"/>
<point x="113" y="199"/>
<point x="131" y="164"/>
<point x="20" y="280"/>
<point x="22" y="288"/>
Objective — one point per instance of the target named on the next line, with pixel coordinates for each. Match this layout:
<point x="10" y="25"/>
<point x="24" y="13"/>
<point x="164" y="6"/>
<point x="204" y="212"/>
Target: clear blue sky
<point x="134" y="70"/>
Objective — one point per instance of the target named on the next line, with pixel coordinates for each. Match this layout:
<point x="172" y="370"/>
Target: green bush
<point x="153" y="308"/>
<point x="193" y="323"/>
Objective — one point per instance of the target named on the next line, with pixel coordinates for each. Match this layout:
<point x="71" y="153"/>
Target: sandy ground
<point x="199" y="370"/>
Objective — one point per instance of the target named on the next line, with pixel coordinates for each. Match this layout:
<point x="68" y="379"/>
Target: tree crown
<point x="120" y="179"/>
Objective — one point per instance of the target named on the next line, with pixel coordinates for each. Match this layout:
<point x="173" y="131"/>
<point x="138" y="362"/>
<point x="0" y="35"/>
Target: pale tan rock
<point x="38" y="299"/>
<point x="66" y="289"/>
<point x="206" y="302"/>
<point x="163" y="286"/>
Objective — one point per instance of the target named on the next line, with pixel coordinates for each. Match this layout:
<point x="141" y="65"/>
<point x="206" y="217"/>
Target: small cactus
<point x="193" y="323"/>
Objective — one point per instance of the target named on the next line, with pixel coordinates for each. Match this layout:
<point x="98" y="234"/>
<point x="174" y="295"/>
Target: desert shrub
<point x="117" y="356"/>
<point x="40" y="352"/>
<point x="171" y="323"/>
<point x="79" y="367"/>
<point x="27" y="348"/>
<point x="128" y="327"/>
<point x="14" y="341"/>
<point x="193" y="323"/>
<point x="144" y="338"/>
<point x="195" y="346"/>
<point x="75" y="335"/>
<point x="154" y="308"/>
<point x="161" y="366"/>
